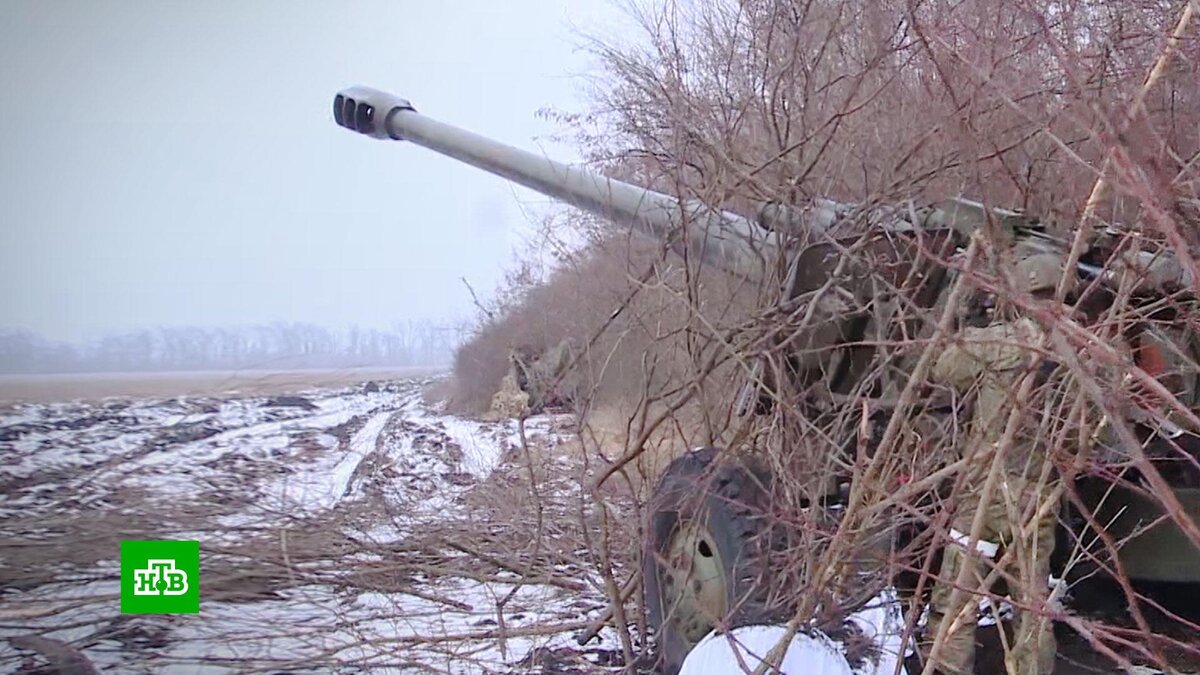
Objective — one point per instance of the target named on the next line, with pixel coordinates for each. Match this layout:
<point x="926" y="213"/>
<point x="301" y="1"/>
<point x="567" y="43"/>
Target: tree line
<point x="266" y="346"/>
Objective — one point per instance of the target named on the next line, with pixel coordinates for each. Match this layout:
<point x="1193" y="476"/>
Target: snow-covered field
<point x="349" y="529"/>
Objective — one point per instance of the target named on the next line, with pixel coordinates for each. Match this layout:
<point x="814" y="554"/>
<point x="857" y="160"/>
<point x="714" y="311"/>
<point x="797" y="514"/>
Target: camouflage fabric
<point x="1033" y="647"/>
<point x="510" y="401"/>
<point x="542" y="376"/>
<point x="533" y="382"/>
<point x="992" y="361"/>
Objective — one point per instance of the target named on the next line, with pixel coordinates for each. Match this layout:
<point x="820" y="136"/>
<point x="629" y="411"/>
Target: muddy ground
<point x="348" y="528"/>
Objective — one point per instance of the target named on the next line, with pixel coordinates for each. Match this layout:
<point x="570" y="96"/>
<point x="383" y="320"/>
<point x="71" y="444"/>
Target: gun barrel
<point x="726" y="240"/>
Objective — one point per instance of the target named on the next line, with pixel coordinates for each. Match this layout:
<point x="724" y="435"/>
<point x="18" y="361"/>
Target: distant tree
<point x="276" y="345"/>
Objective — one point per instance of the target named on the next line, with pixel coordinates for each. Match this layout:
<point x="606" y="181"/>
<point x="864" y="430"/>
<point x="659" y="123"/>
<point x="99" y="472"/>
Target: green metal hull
<point x="1161" y="553"/>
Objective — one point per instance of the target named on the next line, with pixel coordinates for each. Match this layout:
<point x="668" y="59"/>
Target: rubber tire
<point x="732" y="501"/>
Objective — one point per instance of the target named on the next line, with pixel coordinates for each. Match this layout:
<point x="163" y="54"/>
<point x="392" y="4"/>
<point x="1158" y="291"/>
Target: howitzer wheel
<point x="706" y="554"/>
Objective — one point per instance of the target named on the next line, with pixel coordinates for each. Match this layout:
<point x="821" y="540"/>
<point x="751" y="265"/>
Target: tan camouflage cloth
<point x="991" y="363"/>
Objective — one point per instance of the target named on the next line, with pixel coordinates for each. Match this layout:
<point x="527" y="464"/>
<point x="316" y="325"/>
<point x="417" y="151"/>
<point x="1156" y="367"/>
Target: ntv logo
<point x="160" y="578"/>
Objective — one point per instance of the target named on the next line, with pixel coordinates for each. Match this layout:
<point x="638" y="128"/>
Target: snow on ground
<point x="319" y="485"/>
<point x="881" y="621"/>
<point x="323" y="521"/>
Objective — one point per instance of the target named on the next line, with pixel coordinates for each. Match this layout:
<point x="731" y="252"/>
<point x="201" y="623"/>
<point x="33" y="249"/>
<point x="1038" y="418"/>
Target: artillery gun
<point x="700" y="559"/>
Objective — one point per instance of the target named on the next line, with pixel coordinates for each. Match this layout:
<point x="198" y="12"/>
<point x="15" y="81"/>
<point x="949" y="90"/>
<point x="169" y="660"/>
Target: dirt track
<point x="346" y="525"/>
<point x="345" y="528"/>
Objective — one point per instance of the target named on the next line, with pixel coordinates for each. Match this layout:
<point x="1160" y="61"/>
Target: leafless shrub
<point x="1085" y="114"/>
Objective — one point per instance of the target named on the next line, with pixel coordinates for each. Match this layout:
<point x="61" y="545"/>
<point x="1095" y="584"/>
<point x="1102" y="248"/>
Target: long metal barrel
<point x="726" y="240"/>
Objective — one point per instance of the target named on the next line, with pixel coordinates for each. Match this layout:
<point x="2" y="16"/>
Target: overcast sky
<point x="171" y="163"/>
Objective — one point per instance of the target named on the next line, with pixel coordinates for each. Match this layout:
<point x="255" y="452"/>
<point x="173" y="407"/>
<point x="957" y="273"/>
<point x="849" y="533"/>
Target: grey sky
<point x="176" y="162"/>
